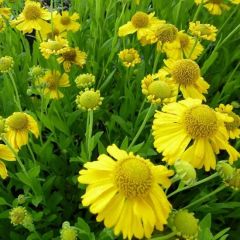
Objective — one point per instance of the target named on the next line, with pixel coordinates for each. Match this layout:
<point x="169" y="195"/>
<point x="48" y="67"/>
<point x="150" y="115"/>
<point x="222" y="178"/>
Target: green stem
<point x="157" y="56"/>
<point x="89" y="127"/>
<point x="170" y="235"/>
<point x="194" y="185"/>
<point x="31" y="152"/>
<point x="220" y="188"/>
<point x="197" y="11"/>
<point x="17" y="99"/>
<point x="194" y="46"/>
<point x="142" y="126"/>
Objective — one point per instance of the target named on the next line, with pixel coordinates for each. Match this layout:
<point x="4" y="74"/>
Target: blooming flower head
<point x="32" y="17"/>
<point x="85" y="80"/>
<point x="17" y="215"/>
<point x="66" y="21"/>
<point x="215" y="7"/>
<point x="68" y="232"/>
<point x="36" y="72"/>
<point x="72" y="56"/>
<point x="129" y="57"/>
<point x="141" y="23"/>
<point x="193" y="132"/>
<point x="19" y="125"/>
<point x="204" y="31"/>
<point x="158" y="88"/>
<point x="186" y="74"/>
<point x="184" y="224"/>
<point x="53" y="47"/>
<point x="5" y="154"/>
<point x="233" y="127"/>
<point x="89" y="99"/>
<point x="52" y="81"/>
<point x="4" y="12"/>
<point x="184" y="46"/>
<point x="6" y="64"/>
<point x="125" y="191"/>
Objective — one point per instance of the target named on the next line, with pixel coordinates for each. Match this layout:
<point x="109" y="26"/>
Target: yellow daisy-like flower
<point x="89" y="100"/>
<point x="53" y="47"/>
<point x="183" y="47"/>
<point x="5" y="154"/>
<point x="32" y="17"/>
<point x="5" y="12"/>
<point x="233" y="127"/>
<point x="235" y="1"/>
<point x="66" y="22"/>
<point x="72" y="56"/>
<point x="186" y="74"/>
<point x="19" y="124"/>
<point x="85" y="80"/>
<point x="204" y="31"/>
<point x="6" y="64"/>
<point x="141" y="23"/>
<point x="52" y="81"/>
<point x="215" y="7"/>
<point x="126" y="192"/>
<point x="159" y="89"/>
<point x="129" y="57"/>
<point x="192" y="132"/>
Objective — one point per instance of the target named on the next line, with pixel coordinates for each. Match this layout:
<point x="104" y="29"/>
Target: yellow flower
<point x="140" y="23"/>
<point x="89" y="99"/>
<point x="85" y="80"/>
<point x="235" y="1"/>
<point x="129" y="57"/>
<point x="186" y="74"/>
<point x="6" y="154"/>
<point x="66" y="22"/>
<point x="19" y="124"/>
<point x="192" y="132"/>
<point x="52" y="81"/>
<point x="159" y="89"/>
<point x="183" y="47"/>
<point x="215" y="7"/>
<point x="204" y="31"/>
<point x="72" y="56"/>
<point x="56" y="47"/>
<point x="124" y="190"/>
<point x="32" y="17"/>
<point x="233" y="127"/>
<point x="6" y="64"/>
<point x="4" y="12"/>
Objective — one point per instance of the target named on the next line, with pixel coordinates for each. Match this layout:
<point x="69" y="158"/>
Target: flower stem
<point x="142" y="126"/>
<point x="193" y="48"/>
<point x="17" y="99"/>
<point x="197" y="11"/>
<point x="31" y="152"/>
<point x="220" y="188"/>
<point x="194" y="185"/>
<point x="170" y="235"/>
<point x="89" y="127"/>
<point x="157" y="56"/>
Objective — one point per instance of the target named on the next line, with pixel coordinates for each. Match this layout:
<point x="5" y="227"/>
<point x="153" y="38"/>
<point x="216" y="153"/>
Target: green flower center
<point x="159" y="89"/>
<point x="17" y="121"/>
<point x="89" y="99"/>
<point x="6" y="63"/>
<point x="166" y="33"/>
<point x="32" y="12"/>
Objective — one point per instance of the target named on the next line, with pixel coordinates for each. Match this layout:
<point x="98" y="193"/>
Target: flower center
<point x="55" y="45"/>
<point x="89" y="99"/>
<point x="32" y="12"/>
<point x="129" y="57"/>
<point x="133" y="177"/>
<point x="65" y="20"/>
<point x="184" y="40"/>
<point x="166" y="33"/>
<point x="185" y="72"/>
<point x="159" y="89"/>
<point x="70" y="55"/>
<point x="52" y="81"/>
<point x="236" y="122"/>
<point x="17" y="121"/>
<point x="51" y="35"/>
<point x="140" y="20"/>
<point x="200" y="122"/>
<point x="205" y="30"/>
<point x="6" y="63"/>
<point x="186" y="224"/>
